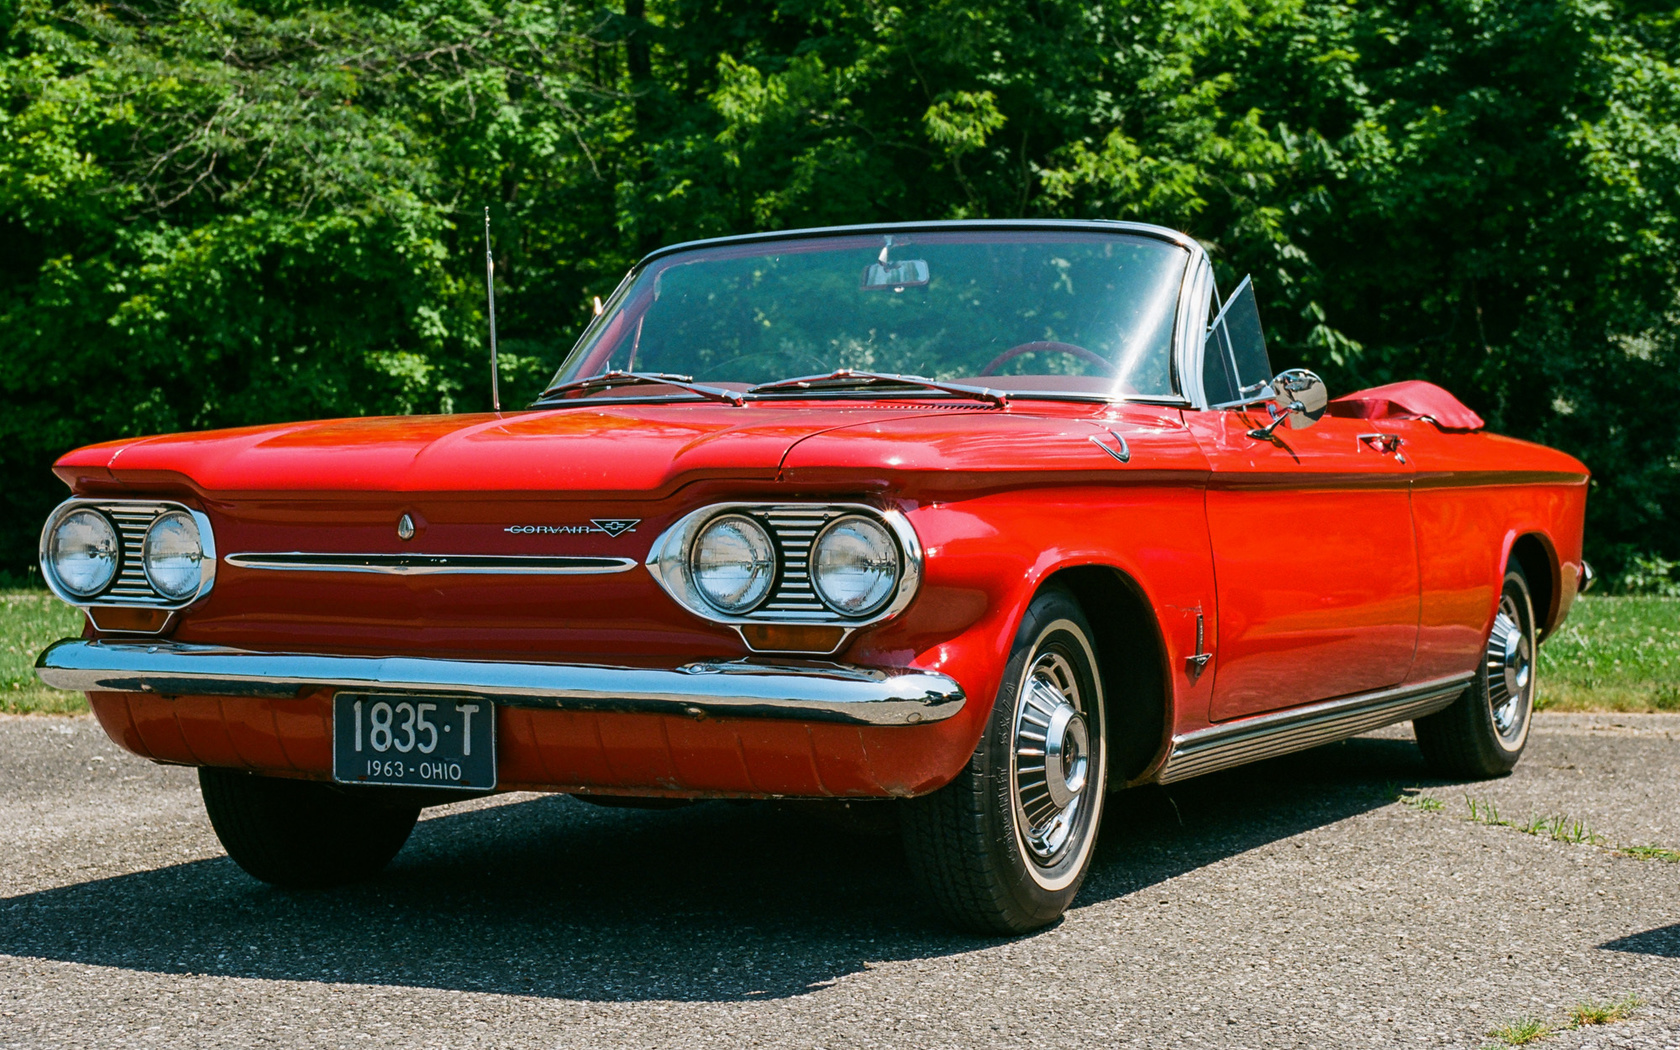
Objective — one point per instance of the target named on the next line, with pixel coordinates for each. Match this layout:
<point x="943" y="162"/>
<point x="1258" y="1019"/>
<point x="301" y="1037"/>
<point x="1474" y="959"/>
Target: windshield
<point x="1088" y="313"/>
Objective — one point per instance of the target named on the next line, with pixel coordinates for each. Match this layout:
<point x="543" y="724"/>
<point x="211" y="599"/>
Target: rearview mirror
<point x="1299" y="397"/>
<point x="905" y="273"/>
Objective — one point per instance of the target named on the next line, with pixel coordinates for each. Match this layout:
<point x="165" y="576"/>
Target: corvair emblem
<point x="610" y="526"/>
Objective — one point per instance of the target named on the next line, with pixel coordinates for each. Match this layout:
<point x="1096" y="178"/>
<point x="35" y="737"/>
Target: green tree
<point x="233" y="211"/>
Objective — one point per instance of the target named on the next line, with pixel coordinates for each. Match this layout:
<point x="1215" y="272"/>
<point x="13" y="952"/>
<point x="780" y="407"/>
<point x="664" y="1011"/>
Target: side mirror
<point x="1299" y="397"/>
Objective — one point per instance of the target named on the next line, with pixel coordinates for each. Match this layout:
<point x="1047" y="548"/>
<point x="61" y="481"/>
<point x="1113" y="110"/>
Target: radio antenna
<point x="490" y="288"/>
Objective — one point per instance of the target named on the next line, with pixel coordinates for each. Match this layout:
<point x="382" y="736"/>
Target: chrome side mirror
<point x="1299" y="397"/>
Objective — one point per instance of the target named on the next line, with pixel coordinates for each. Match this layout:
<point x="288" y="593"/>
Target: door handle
<point x="1384" y="443"/>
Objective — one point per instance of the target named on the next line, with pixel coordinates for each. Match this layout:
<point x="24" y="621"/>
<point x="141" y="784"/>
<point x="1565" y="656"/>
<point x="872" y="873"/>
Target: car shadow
<point x="1663" y="941"/>
<point x="718" y="901"/>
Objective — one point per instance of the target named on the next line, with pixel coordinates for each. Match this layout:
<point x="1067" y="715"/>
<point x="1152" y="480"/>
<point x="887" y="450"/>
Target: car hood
<point x="605" y="449"/>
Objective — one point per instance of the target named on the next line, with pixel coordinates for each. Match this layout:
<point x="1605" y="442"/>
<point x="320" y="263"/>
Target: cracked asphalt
<point x="1291" y="903"/>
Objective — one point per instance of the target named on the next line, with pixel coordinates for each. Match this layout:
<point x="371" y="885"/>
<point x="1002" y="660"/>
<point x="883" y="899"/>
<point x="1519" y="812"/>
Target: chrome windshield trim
<point x="433" y="564"/>
<point x="804" y="690"/>
<point x="1144" y="229"/>
<point x="897" y="394"/>
<point x="1197" y="258"/>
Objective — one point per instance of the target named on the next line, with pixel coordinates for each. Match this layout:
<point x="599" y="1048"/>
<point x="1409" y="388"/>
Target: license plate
<point x="417" y="741"/>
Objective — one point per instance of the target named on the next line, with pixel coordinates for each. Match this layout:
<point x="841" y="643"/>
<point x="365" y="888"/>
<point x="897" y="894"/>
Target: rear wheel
<point x="1004" y="847"/>
<point x="299" y="833"/>
<point x="1484" y="732"/>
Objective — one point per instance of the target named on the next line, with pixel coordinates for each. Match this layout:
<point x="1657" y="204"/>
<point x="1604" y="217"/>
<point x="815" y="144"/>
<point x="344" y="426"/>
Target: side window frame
<point x="1211" y="302"/>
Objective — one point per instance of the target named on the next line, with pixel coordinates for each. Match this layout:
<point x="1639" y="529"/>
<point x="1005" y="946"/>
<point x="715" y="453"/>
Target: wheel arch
<point x="1542" y="569"/>
<point x="1131" y="658"/>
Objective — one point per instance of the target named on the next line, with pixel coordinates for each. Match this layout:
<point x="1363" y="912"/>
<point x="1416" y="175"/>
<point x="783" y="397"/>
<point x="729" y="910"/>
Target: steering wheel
<point x="1048" y="346"/>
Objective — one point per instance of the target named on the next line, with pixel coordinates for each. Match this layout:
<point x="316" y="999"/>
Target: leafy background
<point x="216" y="212"/>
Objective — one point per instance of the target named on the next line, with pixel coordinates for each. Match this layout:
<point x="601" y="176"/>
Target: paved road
<point x="1292" y="903"/>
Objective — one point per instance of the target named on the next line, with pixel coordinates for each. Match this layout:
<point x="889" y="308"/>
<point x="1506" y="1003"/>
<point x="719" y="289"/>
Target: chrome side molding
<point x="806" y="690"/>
<point x="433" y="564"/>
<point x="1266" y="736"/>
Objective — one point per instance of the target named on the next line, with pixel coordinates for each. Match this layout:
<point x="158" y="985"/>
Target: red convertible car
<point x="994" y="518"/>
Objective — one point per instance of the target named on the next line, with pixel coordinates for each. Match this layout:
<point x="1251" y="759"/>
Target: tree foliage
<point x="216" y="212"/>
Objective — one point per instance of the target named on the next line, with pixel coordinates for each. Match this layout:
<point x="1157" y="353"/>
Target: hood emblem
<point x="405" y="528"/>
<point x="609" y="526"/>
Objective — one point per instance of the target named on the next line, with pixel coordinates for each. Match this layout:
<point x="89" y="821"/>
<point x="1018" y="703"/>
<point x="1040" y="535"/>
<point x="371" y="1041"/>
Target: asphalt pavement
<point x="1291" y="903"/>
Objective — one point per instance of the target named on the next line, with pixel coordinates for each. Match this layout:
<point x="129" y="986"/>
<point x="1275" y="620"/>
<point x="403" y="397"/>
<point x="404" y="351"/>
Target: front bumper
<point x="801" y="690"/>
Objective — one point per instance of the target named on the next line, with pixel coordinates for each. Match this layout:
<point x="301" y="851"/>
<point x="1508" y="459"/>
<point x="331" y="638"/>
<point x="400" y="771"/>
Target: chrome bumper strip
<point x="1265" y="736"/>
<point x="434" y="564"/>
<point x="805" y="690"/>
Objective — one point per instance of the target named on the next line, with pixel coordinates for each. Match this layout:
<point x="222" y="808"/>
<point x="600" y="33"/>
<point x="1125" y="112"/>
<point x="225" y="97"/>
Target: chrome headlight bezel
<point x="763" y="563"/>
<point x="148" y="563"/>
<point x="885" y="538"/>
<point x="51" y="556"/>
<point x="130" y="587"/>
<point x="667" y="562"/>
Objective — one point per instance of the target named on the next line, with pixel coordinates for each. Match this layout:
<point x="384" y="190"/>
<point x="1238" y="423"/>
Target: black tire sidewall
<point x="1515" y="584"/>
<point x="302" y="834"/>
<point x="1041" y="903"/>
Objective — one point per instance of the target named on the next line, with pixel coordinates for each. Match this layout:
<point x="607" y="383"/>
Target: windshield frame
<point x="1183" y="338"/>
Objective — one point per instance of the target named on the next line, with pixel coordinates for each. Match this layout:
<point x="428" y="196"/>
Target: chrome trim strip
<point x="1459" y="479"/>
<point x="1278" y="733"/>
<point x="1146" y="229"/>
<point x="1190" y="335"/>
<point x="805" y="690"/>
<point x="433" y="564"/>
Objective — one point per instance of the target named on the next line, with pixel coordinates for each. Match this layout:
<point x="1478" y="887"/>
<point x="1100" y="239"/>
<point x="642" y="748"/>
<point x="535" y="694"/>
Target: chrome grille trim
<point x="794" y="529"/>
<point x="130" y="588"/>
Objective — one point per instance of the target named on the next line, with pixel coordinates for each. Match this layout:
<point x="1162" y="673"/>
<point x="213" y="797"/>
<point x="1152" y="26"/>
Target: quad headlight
<point x="732" y="563"/>
<point x="101" y="553"/>
<point x="855" y="566"/>
<point x="173" y="555"/>
<point x="81" y="552"/>
<point x="791" y="577"/>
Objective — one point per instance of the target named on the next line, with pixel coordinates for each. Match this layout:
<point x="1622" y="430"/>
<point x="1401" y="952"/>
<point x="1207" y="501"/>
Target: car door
<point x="1315" y="556"/>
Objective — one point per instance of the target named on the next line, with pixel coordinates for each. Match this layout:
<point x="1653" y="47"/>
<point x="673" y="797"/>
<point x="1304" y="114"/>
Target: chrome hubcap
<point x="1052" y="755"/>
<point x="1510" y="671"/>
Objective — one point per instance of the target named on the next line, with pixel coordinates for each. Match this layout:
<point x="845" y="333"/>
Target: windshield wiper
<point x="846" y="379"/>
<point x="608" y="380"/>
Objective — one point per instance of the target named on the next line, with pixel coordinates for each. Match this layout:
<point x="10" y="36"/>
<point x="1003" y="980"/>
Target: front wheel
<point x="1004" y="847"/>
<point x="301" y="834"/>
<point x="1484" y="732"/>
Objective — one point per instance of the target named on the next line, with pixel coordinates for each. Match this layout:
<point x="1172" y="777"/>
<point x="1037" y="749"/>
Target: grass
<point x="1584" y="1014"/>
<point x="1533" y="1029"/>
<point x="1557" y="827"/>
<point x="1521" y="1033"/>
<point x="1426" y="803"/>
<point x="30" y="620"/>
<point x="1614" y="654"/>
<point x="1650" y="853"/>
